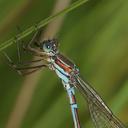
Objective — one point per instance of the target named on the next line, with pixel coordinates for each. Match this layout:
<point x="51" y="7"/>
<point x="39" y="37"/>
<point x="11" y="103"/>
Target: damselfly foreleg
<point x="35" y="42"/>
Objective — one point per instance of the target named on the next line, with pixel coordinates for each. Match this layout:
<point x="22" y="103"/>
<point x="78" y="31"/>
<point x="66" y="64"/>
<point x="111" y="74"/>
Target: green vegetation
<point x="94" y="36"/>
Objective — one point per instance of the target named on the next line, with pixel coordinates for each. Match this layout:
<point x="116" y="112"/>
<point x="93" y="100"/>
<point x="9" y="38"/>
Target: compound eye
<point x="47" y="47"/>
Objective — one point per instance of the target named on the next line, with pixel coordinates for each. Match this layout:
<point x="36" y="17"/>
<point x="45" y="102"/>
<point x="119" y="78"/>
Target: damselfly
<point x="68" y="72"/>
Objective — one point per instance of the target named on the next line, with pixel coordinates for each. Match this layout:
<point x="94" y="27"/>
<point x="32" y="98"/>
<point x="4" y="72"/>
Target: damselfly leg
<point x="24" y="68"/>
<point x="27" y="67"/>
<point x="35" y="41"/>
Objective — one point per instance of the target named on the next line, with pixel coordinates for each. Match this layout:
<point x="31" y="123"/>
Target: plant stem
<point x="41" y="24"/>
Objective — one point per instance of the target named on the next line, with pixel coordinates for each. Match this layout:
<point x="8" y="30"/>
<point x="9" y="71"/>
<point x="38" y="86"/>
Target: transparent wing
<point x="100" y="113"/>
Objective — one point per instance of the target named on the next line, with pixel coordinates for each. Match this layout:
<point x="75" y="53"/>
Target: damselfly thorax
<point x="64" y="68"/>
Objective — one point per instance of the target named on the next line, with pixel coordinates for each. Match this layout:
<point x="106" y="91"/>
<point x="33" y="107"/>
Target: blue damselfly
<point x="67" y="71"/>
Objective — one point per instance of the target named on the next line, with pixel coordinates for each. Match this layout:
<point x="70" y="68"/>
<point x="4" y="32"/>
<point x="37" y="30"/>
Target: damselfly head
<point x="50" y="46"/>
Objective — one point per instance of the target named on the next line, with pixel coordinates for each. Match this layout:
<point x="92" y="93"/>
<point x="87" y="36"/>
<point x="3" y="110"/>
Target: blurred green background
<point x="94" y="36"/>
